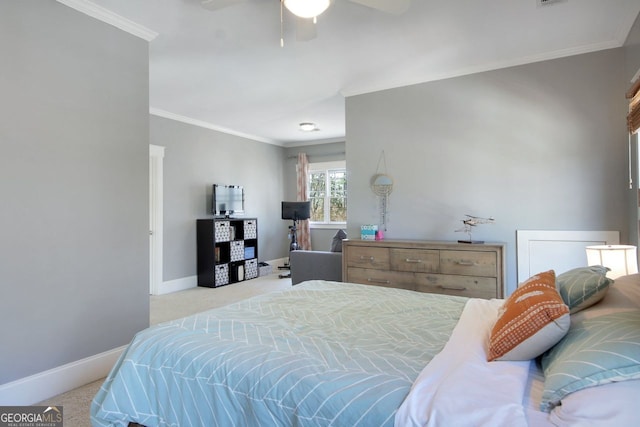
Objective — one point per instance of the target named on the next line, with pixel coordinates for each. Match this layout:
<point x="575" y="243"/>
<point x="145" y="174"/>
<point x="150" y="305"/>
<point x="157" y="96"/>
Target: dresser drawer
<point x="468" y="263"/>
<point x="464" y="286"/>
<point x="427" y="266"/>
<point x="389" y="279"/>
<point x="416" y="260"/>
<point x="368" y="257"/>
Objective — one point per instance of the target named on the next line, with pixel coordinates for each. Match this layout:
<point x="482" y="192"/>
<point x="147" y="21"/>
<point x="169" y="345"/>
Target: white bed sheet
<point x="459" y="386"/>
<point x="533" y="397"/>
<point x="468" y="397"/>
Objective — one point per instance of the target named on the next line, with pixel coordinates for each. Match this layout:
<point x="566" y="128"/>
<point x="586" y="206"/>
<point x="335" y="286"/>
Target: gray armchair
<point x="309" y="265"/>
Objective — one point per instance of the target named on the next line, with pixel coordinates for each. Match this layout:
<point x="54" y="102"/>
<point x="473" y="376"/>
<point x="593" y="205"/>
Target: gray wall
<point x="539" y="146"/>
<point x="195" y="159"/>
<point x="320" y="237"/>
<point x="632" y="50"/>
<point x="74" y="187"/>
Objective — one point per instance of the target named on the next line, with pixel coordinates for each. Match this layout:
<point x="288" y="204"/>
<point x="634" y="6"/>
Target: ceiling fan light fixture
<point x="306" y="8"/>
<point x="308" y="127"/>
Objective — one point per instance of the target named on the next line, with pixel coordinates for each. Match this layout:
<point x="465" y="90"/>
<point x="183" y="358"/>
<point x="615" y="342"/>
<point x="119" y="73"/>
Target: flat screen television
<point x="228" y="200"/>
<point x="296" y="210"/>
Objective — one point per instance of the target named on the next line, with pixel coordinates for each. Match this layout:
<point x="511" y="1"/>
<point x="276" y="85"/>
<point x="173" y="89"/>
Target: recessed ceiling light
<point x="308" y="127"/>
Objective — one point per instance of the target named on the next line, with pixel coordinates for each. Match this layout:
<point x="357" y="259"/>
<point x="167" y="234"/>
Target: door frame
<point x="156" y="191"/>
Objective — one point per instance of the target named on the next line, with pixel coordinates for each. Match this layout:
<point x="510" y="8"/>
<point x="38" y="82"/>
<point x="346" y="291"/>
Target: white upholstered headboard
<point x="542" y="250"/>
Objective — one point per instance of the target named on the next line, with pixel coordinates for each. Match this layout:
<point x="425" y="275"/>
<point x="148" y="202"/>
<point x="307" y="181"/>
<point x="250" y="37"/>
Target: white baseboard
<point x="176" y="285"/>
<point x="44" y="385"/>
<point x="189" y="282"/>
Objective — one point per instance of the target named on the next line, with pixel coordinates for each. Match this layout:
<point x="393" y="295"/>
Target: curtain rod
<point x="319" y="155"/>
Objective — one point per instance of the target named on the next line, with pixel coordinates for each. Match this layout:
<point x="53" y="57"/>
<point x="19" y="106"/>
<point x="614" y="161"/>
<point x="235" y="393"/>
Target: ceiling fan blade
<point x="395" y="7"/>
<point x="305" y="29"/>
<point x="218" y="4"/>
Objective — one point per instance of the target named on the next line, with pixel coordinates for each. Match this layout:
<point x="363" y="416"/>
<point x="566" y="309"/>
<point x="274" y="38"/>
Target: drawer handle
<point x="363" y="258"/>
<point x="467" y="263"/>
<point x="385" y="282"/>
<point x="415" y="261"/>
<point x="452" y="288"/>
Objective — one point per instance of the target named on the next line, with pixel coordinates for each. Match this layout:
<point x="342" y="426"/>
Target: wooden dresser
<point x="470" y="270"/>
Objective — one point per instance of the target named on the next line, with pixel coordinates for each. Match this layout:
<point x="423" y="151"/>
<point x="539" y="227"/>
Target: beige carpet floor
<point x="76" y="403"/>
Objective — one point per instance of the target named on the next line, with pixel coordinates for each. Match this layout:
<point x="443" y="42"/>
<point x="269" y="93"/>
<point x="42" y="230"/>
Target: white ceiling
<point x="225" y="69"/>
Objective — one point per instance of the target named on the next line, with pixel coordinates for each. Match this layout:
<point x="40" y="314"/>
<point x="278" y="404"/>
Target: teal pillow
<point x="582" y="287"/>
<point x="596" y="351"/>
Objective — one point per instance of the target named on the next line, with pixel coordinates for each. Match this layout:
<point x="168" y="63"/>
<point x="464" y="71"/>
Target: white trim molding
<point x="201" y="123"/>
<point x="108" y="17"/>
<point x="156" y="218"/>
<point x="44" y="385"/>
<point x="176" y="285"/>
<point x="357" y="88"/>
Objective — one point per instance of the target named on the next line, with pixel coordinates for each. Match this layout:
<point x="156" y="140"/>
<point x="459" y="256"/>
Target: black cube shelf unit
<point x="227" y="250"/>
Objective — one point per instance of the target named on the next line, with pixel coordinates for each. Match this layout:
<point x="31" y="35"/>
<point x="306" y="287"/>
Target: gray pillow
<point x="336" y="242"/>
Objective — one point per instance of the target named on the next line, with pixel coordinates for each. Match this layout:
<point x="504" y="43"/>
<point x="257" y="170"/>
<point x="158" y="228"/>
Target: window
<point x="328" y="192"/>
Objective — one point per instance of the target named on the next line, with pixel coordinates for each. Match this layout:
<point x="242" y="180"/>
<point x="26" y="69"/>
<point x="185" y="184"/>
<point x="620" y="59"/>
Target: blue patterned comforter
<point x="320" y="354"/>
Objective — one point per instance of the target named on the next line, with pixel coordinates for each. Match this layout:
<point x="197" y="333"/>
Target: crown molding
<point x="314" y="142"/>
<point x="546" y="56"/>
<point x="201" y="123"/>
<point x="106" y="16"/>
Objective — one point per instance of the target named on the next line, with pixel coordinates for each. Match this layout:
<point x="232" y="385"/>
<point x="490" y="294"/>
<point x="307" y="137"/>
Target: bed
<point x="328" y="353"/>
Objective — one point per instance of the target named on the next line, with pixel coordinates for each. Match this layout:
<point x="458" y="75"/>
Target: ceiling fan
<point x="306" y="11"/>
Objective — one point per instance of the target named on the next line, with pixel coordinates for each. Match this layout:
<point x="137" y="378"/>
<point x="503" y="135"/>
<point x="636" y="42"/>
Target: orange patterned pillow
<point x="532" y="320"/>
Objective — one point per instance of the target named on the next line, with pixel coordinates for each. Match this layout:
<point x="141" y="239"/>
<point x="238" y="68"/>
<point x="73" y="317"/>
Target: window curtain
<point x="633" y="120"/>
<point x="302" y="170"/>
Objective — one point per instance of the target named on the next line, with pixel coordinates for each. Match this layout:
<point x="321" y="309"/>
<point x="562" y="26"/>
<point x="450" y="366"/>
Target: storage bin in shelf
<point x="250" y="229"/>
<point x="237" y="250"/>
<point x="222" y="231"/>
<point x="222" y="274"/>
<point x="251" y="268"/>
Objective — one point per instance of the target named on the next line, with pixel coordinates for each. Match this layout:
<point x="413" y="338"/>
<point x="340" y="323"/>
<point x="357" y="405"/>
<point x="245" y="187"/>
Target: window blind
<point x="633" y="118"/>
